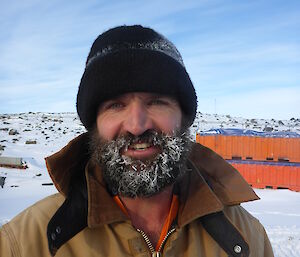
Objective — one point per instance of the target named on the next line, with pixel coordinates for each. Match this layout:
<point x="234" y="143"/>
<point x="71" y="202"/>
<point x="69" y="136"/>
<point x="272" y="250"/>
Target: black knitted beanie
<point x="133" y="59"/>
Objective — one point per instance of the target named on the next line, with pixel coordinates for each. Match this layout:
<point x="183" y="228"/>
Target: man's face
<point x="136" y="113"/>
<point x="138" y="140"/>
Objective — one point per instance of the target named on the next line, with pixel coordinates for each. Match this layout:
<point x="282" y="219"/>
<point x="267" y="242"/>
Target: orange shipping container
<point x="269" y="175"/>
<point x="253" y="147"/>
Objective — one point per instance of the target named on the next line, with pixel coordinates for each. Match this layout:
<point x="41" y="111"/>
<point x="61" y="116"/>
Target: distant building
<point x="264" y="159"/>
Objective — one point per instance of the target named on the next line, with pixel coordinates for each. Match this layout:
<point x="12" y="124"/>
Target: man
<point x="134" y="184"/>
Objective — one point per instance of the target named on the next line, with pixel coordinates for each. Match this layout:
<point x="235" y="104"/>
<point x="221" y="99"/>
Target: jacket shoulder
<point x="26" y="234"/>
<point x="251" y="229"/>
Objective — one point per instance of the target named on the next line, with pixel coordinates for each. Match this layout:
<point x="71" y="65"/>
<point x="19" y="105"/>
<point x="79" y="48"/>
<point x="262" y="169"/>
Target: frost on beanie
<point x="133" y="59"/>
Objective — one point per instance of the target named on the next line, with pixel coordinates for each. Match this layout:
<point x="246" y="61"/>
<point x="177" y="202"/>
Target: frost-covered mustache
<point x="148" y="138"/>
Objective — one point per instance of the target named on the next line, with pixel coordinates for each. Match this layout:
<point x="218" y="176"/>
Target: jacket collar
<point x="68" y="162"/>
<point x="211" y="184"/>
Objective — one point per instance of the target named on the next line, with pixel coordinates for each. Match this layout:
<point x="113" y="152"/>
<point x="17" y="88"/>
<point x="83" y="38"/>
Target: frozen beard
<point x="130" y="177"/>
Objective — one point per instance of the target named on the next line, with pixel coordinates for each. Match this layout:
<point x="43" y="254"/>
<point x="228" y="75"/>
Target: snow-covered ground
<point x="278" y="210"/>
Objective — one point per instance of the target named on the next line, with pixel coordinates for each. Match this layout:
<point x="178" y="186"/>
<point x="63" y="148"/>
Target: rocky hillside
<point x="25" y="133"/>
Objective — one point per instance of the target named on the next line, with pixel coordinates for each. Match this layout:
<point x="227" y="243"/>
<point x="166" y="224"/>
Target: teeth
<point x="140" y="146"/>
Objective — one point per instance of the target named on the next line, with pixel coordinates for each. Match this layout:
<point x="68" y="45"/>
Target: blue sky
<point x="243" y="56"/>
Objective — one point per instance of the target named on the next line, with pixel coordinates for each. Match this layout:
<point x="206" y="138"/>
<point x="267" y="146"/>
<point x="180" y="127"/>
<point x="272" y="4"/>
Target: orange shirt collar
<point x="168" y="222"/>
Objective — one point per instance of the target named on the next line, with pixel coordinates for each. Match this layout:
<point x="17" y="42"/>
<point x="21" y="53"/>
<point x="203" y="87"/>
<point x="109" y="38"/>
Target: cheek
<point x="169" y="123"/>
<point x="107" y="128"/>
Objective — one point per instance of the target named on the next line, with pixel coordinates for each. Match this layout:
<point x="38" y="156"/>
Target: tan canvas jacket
<point x="212" y="186"/>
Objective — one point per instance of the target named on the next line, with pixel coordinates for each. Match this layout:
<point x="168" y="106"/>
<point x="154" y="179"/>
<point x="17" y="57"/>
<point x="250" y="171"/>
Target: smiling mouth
<point x="141" y="150"/>
<point x="140" y="146"/>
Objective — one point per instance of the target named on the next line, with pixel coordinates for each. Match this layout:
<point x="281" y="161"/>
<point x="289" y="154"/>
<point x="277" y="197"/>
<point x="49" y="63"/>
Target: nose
<point x="137" y="119"/>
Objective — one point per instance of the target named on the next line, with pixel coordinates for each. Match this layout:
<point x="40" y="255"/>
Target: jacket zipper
<point x="149" y="244"/>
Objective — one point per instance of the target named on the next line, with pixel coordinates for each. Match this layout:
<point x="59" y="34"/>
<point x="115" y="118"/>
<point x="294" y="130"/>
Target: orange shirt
<point x="168" y="222"/>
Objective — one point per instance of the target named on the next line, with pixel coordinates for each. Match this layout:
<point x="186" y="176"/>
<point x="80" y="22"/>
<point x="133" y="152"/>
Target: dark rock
<point x="2" y="181"/>
<point x="47" y="184"/>
<point x="30" y="142"/>
<point x="13" y="132"/>
<point x="268" y="129"/>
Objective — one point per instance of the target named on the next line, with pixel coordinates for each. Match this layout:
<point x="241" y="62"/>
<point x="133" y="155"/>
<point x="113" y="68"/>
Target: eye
<point x="113" y="106"/>
<point x="158" y="101"/>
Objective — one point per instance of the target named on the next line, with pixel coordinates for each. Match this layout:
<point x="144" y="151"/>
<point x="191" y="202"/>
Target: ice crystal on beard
<point x="131" y="177"/>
